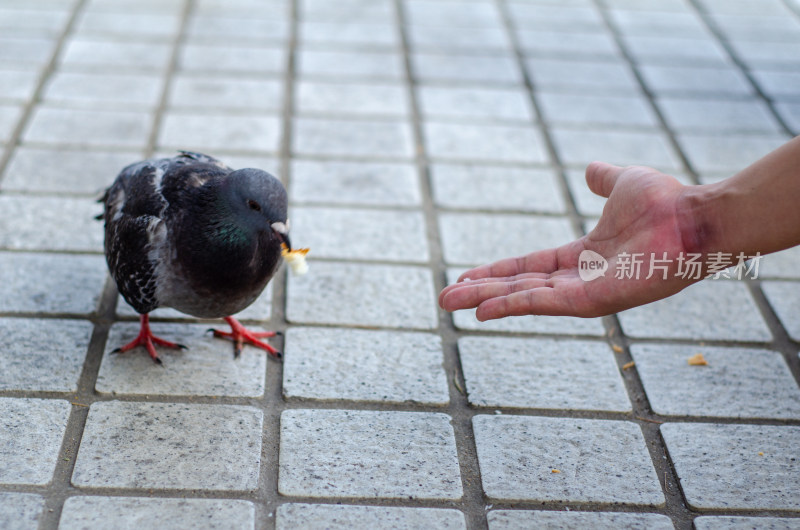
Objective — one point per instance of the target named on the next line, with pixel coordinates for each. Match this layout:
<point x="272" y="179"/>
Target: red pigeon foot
<point x="240" y="334"/>
<point x="147" y="339"/>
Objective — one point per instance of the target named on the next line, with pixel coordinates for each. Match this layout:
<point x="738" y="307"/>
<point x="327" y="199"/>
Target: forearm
<point x="756" y="210"/>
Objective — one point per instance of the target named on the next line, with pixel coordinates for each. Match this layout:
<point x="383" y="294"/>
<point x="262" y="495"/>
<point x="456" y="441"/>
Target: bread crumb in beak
<point x="295" y="258"/>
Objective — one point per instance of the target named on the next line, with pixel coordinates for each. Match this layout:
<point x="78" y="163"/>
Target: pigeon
<point x="189" y="232"/>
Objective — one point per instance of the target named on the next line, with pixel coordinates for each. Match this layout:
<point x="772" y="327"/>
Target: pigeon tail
<point x="147" y="339"/>
<point x="240" y="334"/>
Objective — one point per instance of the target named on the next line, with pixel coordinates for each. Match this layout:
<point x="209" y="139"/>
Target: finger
<point x="540" y="261"/>
<point x="468" y="282"/>
<point x="537" y="301"/>
<point x="601" y="177"/>
<point x="470" y="295"/>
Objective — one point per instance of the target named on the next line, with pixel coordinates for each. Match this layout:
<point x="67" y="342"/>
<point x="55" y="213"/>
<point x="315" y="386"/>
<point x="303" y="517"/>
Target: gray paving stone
<point x="143" y="25"/>
<point x="361" y="138"/>
<point x="172" y="446"/>
<point x="376" y="454"/>
<point x="599" y="461"/>
<point x="253" y="8"/>
<point x="715" y="81"/>
<point x="707" y="522"/>
<point x="25" y="53"/>
<point x="781" y="264"/>
<point x="444" y="39"/>
<point x="347" y="34"/>
<point x="550" y="42"/>
<point x="327" y="516"/>
<point x="711" y="309"/>
<point x="22" y="22"/>
<point x="202" y="92"/>
<point x="98" y="54"/>
<point x="790" y="112"/>
<point x="232" y="59"/>
<point x="466" y="320"/>
<point x="501" y="236"/>
<point x="358" y="183"/>
<point x="18" y="85"/>
<point x="351" y="99"/>
<point x="363" y="295"/>
<point x="50" y="223"/>
<point x="721" y="466"/>
<point x="715" y="115"/>
<point x="737" y="383"/>
<point x="491" y="104"/>
<point x="784" y="297"/>
<point x="496" y="188"/>
<point x="778" y="84"/>
<point x="466" y="68"/>
<point x="63" y="171"/>
<point x="541" y="374"/>
<point x="381" y="11"/>
<point x="364" y="365"/>
<point x="682" y="24"/>
<point x="247" y="28"/>
<point x="9" y="116"/>
<point x="206" y="368"/>
<point x="587" y="110"/>
<point x="50" y="283"/>
<point x="255" y="132"/>
<point x="581" y="146"/>
<point x="781" y="27"/>
<point x="42" y="354"/>
<point x="585" y="76"/>
<point x="453" y="13"/>
<point x="360" y="234"/>
<point x="85" y="128"/>
<point x="340" y="64"/>
<point x="30" y="437"/>
<point x="676" y="51"/>
<point x="522" y="519"/>
<point x="20" y="510"/>
<point x="759" y="53"/>
<point x="482" y="143"/>
<point x="582" y="18"/>
<point x="103" y="90"/>
<point x="727" y="152"/>
<point x="130" y="513"/>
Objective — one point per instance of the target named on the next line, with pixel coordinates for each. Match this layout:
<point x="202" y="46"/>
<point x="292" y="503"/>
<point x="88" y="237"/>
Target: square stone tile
<point x="376" y="454"/>
<point x="395" y="296"/>
<point x="361" y="138"/>
<point x="31" y="431"/>
<point x="591" y="110"/>
<point x="120" y="512"/>
<point x="711" y="309"/>
<point x="501" y="236"/>
<point x="42" y="354"/>
<point x="62" y="171"/>
<point x="25" y="53"/>
<point x="465" y="319"/>
<point x="357" y="183"/>
<point x="474" y="187"/>
<point x="452" y="13"/>
<point x="483" y="143"/>
<point x="600" y="461"/>
<point x="364" y="365"/>
<point x="447" y="39"/>
<point x="26" y="20"/>
<point x="759" y="53"/>
<point x="206" y="368"/>
<point x="778" y="84"/>
<point x="347" y="34"/>
<point x="781" y="264"/>
<point x="489" y="104"/>
<point x="722" y="466"/>
<point x="552" y="42"/>
<point x="97" y="54"/>
<point x="174" y="446"/>
<point x="360" y="234"/>
<point x="579" y="147"/>
<point x="20" y="510"/>
<point x="146" y="25"/>
<point x="380" y="11"/>
<point x="585" y="76"/>
<point x="465" y="68"/>
<point x="697" y="114"/>
<point x="351" y="99"/>
<point x="541" y="374"/>
<point x="714" y="152"/>
<point x="320" y="516"/>
<point x="254" y="132"/>
<point x="341" y="64"/>
<point x="50" y="223"/>
<point x="675" y="50"/>
<point x="204" y="92"/>
<point x="520" y="519"/>
<point x="85" y="128"/>
<point x="737" y="383"/>
<point x="708" y="522"/>
<point x="683" y="24"/>
<point x="9" y="116"/>
<point x="18" y="85"/>
<point x="103" y="90"/>
<point x="50" y="283"/>
<point x="784" y="297"/>
<point x="705" y="80"/>
<point x="246" y="28"/>
<point x="252" y="8"/>
<point x="232" y="59"/>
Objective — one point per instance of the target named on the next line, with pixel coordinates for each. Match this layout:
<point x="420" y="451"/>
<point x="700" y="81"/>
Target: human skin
<point x="755" y="211"/>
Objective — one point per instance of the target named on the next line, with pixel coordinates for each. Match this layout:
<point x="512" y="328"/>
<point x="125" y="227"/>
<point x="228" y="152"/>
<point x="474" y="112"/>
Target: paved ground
<point x="417" y="137"/>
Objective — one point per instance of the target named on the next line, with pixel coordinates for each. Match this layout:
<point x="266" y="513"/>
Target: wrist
<point x="697" y="219"/>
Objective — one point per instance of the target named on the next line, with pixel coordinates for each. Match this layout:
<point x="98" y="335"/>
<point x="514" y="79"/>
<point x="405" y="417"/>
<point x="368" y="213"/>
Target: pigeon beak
<point x="282" y="231"/>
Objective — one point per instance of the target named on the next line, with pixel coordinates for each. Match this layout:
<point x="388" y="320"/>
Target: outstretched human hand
<point x="643" y="214"/>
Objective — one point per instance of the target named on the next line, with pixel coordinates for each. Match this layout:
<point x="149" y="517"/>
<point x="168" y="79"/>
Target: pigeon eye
<point x="253" y="205"/>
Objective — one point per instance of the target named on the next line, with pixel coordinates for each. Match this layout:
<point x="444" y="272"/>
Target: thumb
<point x="601" y="177"/>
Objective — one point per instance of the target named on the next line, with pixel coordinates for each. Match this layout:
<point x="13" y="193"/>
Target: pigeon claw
<point x="241" y="335"/>
<point x="148" y="340"/>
